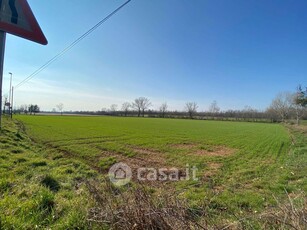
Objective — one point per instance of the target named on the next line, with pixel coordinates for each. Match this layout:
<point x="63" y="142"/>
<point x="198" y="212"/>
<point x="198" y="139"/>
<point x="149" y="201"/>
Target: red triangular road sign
<point x="16" y="18"/>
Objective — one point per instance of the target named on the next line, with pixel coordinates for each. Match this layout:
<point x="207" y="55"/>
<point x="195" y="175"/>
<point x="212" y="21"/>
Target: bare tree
<point x="141" y="104"/>
<point x="113" y="108"/>
<point x="137" y="105"/>
<point x="163" y="109"/>
<point x="249" y="113"/>
<point x="271" y="114"/>
<point x="282" y="105"/>
<point x="125" y="107"/>
<point x="299" y="112"/>
<point x="60" y="107"/>
<point x="214" y="108"/>
<point x="24" y="109"/>
<point x="191" y="108"/>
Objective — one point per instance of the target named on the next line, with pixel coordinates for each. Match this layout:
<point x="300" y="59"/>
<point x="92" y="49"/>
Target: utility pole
<point x="2" y="49"/>
<point x="4" y="99"/>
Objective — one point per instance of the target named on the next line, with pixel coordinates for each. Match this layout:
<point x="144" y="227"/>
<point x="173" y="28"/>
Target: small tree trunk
<point x="297" y="118"/>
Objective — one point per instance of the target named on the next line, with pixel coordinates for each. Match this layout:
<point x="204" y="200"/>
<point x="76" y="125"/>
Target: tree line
<point x="27" y="109"/>
<point x="285" y="106"/>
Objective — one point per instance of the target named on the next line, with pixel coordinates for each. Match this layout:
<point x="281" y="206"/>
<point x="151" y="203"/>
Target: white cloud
<point x="48" y="93"/>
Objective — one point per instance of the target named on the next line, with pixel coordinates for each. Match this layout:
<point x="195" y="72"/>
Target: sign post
<point x="16" y="17"/>
<point x="2" y="49"/>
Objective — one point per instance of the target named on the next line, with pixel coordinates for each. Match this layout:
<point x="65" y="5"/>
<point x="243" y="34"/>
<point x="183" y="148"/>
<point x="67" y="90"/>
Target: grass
<point x="46" y="159"/>
<point x="107" y="162"/>
<point x="259" y="150"/>
<point x="35" y="191"/>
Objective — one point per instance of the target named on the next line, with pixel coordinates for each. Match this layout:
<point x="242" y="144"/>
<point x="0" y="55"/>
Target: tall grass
<point x="135" y="207"/>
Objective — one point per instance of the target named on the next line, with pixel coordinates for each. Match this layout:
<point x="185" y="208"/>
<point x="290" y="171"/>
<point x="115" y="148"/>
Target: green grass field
<point x="241" y="166"/>
<point x="259" y="149"/>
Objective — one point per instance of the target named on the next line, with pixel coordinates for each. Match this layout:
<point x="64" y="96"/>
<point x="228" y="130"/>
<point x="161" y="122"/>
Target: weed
<point x="45" y="200"/>
<point x="5" y="186"/>
<point x="51" y="183"/>
<point x="20" y="160"/>
<point x="107" y="162"/>
<point x="39" y="163"/>
<point x="17" y="151"/>
<point x="57" y="157"/>
<point x="145" y="211"/>
<point x="19" y="136"/>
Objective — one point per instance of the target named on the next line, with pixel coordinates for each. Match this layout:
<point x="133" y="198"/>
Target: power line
<point x="70" y="46"/>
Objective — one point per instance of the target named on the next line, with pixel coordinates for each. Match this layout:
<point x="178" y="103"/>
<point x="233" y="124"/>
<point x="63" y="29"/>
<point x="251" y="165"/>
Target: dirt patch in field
<point x="185" y="145"/>
<point x="143" y="158"/>
<point x="212" y="169"/>
<point x="151" y="161"/>
<point x="146" y="151"/>
<point x="216" y="151"/>
<point x="147" y="158"/>
<point x="203" y="150"/>
<point x="215" y="166"/>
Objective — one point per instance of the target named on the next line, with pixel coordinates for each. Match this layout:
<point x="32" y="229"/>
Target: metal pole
<point x="2" y="49"/>
<point x="4" y="104"/>
<point x="10" y="93"/>
<point x="12" y="102"/>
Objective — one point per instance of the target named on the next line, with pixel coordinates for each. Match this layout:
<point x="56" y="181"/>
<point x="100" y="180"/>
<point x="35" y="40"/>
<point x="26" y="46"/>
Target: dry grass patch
<point x="212" y="170"/>
<point x="143" y="158"/>
<point x="138" y="208"/>
<point x="148" y="158"/>
<point x="289" y="215"/>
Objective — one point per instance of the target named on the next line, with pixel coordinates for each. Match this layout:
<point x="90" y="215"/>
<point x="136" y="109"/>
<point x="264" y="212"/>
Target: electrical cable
<point x="78" y="40"/>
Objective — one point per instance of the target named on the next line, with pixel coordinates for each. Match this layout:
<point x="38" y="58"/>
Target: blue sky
<point x="235" y="52"/>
